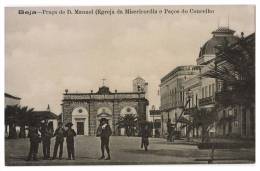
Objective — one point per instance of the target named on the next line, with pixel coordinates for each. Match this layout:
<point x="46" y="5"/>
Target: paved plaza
<point x="125" y="150"/>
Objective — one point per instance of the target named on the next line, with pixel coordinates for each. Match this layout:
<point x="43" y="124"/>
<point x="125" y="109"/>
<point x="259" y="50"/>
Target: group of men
<point x="44" y="133"/>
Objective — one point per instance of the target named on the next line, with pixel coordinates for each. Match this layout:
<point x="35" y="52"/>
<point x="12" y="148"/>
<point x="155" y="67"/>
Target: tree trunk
<point x="12" y="131"/>
<point x="203" y="134"/>
<point x="22" y="132"/>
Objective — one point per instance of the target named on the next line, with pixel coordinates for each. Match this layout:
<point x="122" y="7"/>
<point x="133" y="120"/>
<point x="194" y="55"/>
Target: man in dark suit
<point x="145" y="137"/>
<point x="70" y="134"/>
<point x="47" y="133"/>
<point x="104" y="131"/>
<point x="59" y="133"/>
<point x="35" y="139"/>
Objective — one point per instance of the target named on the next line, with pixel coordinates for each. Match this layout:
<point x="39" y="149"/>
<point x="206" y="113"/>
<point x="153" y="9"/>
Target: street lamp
<point x="153" y="109"/>
<point x="189" y="95"/>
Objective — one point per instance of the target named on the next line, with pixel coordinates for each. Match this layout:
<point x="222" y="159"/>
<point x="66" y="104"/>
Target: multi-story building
<point x="172" y="95"/>
<point x="207" y="57"/>
<point x="175" y="87"/>
<point x="236" y="114"/>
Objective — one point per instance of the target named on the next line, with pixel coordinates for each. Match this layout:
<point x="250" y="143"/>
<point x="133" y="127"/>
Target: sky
<point x="46" y="54"/>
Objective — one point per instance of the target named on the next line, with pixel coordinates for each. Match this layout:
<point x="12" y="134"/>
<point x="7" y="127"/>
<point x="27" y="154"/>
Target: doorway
<point x="80" y="128"/>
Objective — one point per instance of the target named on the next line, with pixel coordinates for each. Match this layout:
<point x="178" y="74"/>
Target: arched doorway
<point x="104" y="112"/>
<point x="80" y="121"/>
<point x="127" y="110"/>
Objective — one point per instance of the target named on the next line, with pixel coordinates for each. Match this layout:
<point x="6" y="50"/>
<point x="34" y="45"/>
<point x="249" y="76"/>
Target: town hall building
<point x="85" y="110"/>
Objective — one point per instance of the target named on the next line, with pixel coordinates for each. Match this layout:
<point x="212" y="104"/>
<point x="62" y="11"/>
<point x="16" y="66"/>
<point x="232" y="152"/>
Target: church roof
<point x="103" y="90"/>
<point x="11" y="96"/>
<point x="41" y="115"/>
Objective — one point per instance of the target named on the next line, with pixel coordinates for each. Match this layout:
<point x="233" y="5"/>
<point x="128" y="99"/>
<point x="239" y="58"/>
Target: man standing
<point x="34" y="142"/>
<point x="104" y="131"/>
<point x="145" y="137"/>
<point x="47" y="133"/>
<point x="70" y="134"/>
<point x="59" y="133"/>
<point x="169" y="130"/>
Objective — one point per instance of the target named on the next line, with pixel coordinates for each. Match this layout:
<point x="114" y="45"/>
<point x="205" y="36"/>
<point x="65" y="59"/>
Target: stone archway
<point x="80" y="120"/>
<point x="104" y="112"/>
<point x="127" y="110"/>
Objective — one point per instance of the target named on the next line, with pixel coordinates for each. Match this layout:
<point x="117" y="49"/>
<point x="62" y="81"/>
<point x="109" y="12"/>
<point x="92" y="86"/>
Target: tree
<point x="17" y="116"/>
<point x="10" y="119"/>
<point x="24" y="116"/>
<point x="204" y="118"/>
<point x="129" y="122"/>
<point x="235" y="67"/>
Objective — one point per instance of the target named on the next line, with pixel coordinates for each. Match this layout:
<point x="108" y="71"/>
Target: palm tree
<point x="17" y="116"/>
<point x="24" y="116"/>
<point x="129" y="121"/>
<point x="238" y="71"/>
<point x="204" y="118"/>
<point x="10" y="119"/>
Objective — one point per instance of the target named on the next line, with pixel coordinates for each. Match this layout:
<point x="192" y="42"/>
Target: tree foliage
<point x="235" y="66"/>
<point x="18" y="116"/>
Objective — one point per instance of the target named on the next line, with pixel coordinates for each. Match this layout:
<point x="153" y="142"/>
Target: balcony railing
<point x="190" y="111"/>
<point x="228" y="97"/>
<point x="207" y="101"/>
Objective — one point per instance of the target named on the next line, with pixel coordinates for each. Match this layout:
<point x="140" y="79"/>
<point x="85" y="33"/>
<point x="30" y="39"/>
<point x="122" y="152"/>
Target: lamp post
<point x="153" y="109"/>
<point x="189" y="96"/>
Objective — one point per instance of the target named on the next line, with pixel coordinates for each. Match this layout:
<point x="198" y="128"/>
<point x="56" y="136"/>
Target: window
<point x="196" y="99"/>
<point x="213" y="89"/>
<point x="210" y="90"/>
<point x="206" y="91"/>
<point x="202" y="92"/>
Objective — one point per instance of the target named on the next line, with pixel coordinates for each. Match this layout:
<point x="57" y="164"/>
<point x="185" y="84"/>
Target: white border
<point x="6" y="3"/>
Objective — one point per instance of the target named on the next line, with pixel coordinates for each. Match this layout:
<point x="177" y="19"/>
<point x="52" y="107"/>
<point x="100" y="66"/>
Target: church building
<point x="85" y="110"/>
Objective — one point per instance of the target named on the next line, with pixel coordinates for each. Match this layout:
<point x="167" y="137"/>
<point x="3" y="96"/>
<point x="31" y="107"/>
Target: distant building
<point x="156" y="120"/>
<point x="85" y="110"/>
<point x="11" y="100"/>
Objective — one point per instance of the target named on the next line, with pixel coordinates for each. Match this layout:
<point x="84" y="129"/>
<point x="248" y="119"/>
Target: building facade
<point x="236" y="114"/>
<point x="11" y="100"/>
<point x="203" y="92"/>
<point x="172" y="95"/>
<point x="85" y="110"/>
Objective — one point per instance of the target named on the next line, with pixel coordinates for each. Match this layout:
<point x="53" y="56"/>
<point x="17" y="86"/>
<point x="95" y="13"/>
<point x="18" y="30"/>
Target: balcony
<point x="190" y="111"/>
<point x="207" y="101"/>
<point x="228" y="97"/>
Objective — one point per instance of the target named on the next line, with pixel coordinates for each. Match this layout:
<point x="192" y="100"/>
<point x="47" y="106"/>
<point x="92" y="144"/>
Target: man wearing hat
<point x="145" y="136"/>
<point x="34" y="141"/>
<point x="104" y="131"/>
<point x="46" y="133"/>
<point x="70" y="133"/>
<point x="59" y="134"/>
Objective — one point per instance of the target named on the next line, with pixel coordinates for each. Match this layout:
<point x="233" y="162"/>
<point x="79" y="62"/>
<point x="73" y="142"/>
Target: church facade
<point x="85" y="110"/>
